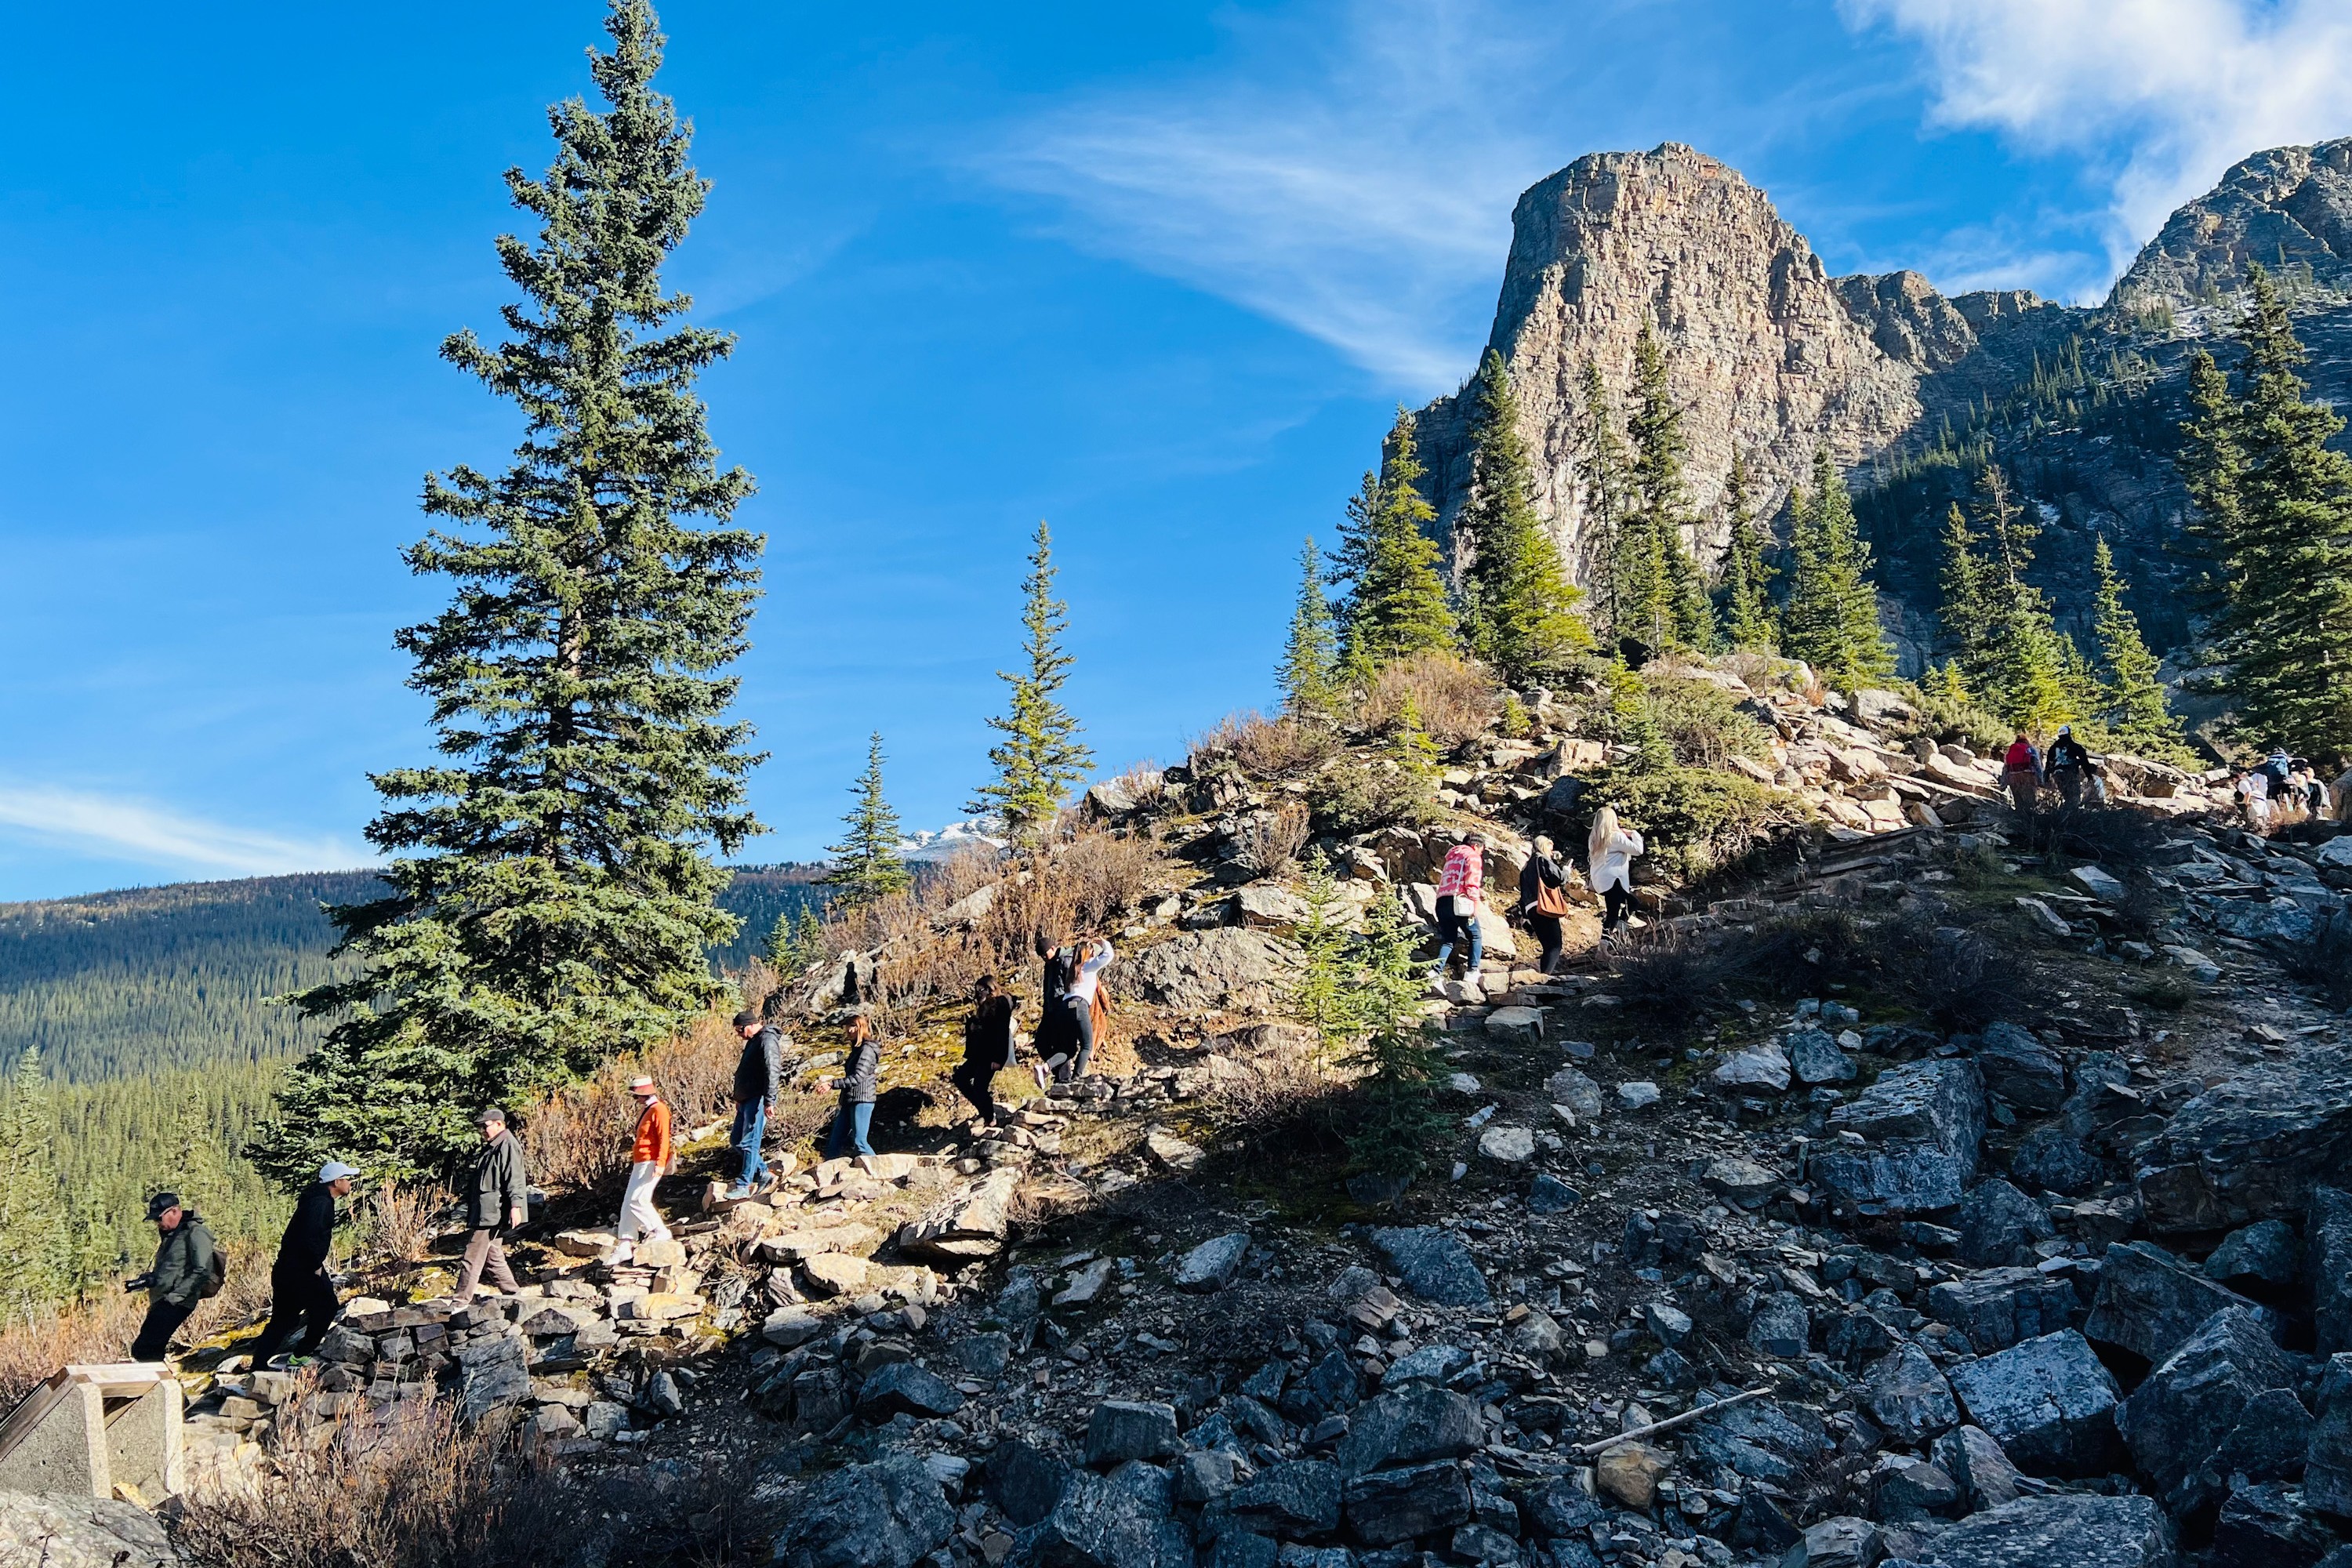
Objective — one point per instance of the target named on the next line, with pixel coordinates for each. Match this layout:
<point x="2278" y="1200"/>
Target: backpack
<point x="216" y="1272"/>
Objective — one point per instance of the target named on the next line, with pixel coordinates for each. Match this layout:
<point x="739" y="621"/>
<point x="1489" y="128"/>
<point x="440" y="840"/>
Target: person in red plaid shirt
<point x="1458" y="891"/>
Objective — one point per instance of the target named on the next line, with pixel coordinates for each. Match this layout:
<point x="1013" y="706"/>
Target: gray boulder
<point x="2327" y="1264"/>
<point x="2224" y="1403"/>
<point x="1843" y="1542"/>
<point x="1768" y="1440"/>
<point x="2047" y="1401"/>
<point x="57" y="1530"/>
<point x="2150" y="1303"/>
<point x="1408" y="1427"/>
<point x="1999" y="1225"/>
<point x="1330" y="1385"/>
<point x="1919" y="1129"/>
<point x="1024" y="1481"/>
<point x="1986" y="1478"/>
<point x="887" y="1514"/>
<point x="1780" y="1328"/>
<point x="1230" y="968"/>
<point x="2054" y="1160"/>
<point x="1101" y="1522"/>
<point x="2263" y="1252"/>
<point x="904" y="1388"/>
<point x="1434" y="1266"/>
<point x="1430" y="1363"/>
<point x="492" y="1374"/>
<point x="1999" y="1307"/>
<point x="2019" y="1068"/>
<point x="1122" y="1429"/>
<point x="2328" y="1470"/>
<point x="1291" y="1500"/>
<point x="2062" y="1531"/>
<point x="2250" y="1148"/>
<point x="1391" y="1506"/>
<point x="1211" y="1265"/>
<point x="1906" y="1395"/>
<point x="2270" y="1526"/>
<point x="1572" y="1088"/>
<point x="1815" y="1058"/>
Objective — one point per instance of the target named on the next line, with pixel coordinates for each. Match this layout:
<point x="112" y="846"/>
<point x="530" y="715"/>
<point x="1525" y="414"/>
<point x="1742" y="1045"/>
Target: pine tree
<point x="1746" y="604"/>
<point x="781" y="949"/>
<point x="866" y="865"/>
<point x="551" y="885"/>
<point x="1409" y="745"/>
<point x="1522" y="616"/>
<point x="1999" y="624"/>
<point x="1041" y="755"/>
<point x="1606" y="488"/>
<point x="1396" y="597"/>
<point x="1832" y="620"/>
<point x="2136" y="711"/>
<point x="1324" y="995"/>
<point x="808" y="936"/>
<point x="1968" y="608"/>
<point x="2277" y="500"/>
<point x="1310" y="676"/>
<point x="32" y="1202"/>
<point x="1397" y="1097"/>
<point x="1665" y="586"/>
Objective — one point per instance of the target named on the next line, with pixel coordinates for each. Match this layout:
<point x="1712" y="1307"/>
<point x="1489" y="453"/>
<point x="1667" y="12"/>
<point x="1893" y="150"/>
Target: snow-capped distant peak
<point x="941" y="843"/>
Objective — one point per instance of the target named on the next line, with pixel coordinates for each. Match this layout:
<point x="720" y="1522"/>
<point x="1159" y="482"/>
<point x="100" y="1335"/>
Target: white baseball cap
<point x="335" y="1171"/>
<point x="641" y="1085"/>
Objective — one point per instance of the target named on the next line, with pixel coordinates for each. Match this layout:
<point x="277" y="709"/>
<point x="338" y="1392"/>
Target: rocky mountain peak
<point x="2285" y="207"/>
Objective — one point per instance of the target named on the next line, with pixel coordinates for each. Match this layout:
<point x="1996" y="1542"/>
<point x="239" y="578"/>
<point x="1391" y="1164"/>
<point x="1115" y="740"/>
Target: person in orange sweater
<point x="650" y="1159"/>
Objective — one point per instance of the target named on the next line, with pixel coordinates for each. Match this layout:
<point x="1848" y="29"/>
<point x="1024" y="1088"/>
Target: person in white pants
<point x="651" y="1157"/>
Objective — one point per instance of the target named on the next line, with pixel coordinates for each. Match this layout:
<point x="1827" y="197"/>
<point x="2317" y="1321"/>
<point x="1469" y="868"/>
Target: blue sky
<point x="1158" y="273"/>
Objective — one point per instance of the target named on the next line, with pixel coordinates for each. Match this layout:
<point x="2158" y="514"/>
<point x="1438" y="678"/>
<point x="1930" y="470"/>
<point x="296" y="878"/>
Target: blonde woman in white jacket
<point x="1609" y="854"/>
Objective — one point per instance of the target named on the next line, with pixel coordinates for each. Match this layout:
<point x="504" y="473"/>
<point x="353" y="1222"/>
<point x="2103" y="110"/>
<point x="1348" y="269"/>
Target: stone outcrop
<point x="2289" y="205"/>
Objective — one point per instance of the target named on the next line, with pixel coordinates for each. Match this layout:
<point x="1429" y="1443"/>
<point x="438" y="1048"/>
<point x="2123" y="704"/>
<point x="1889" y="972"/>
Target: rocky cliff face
<point x="1771" y="356"/>
<point x="2288" y="207"/>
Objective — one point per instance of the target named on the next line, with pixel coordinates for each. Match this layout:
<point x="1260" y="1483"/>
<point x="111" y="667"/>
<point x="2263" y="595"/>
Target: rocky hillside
<point x="1946" y="1189"/>
<point x="1773" y="356"/>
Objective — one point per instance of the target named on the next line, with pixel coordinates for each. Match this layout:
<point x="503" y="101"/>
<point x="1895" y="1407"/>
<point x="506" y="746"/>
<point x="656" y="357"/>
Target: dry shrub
<point x="1277" y="1092"/>
<point x="1457" y="699"/>
<point x="578" y="1137"/>
<point x="1145" y="782"/>
<point x="403" y="1220"/>
<point x="1269" y="843"/>
<point x="1267" y="748"/>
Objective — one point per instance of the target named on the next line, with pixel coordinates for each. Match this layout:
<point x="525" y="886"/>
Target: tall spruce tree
<point x="1663" y="584"/>
<point x="551" y="880"/>
<point x="33" y="1215"/>
<point x="2027" y="673"/>
<point x="866" y="863"/>
<point x="1747" y="578"/>
<point x="1607" y="490"/>
<point x="1395" y="603"/>
<point x="1309" y="675"/>
<point x="2278" y="501"/>
<point x="1041" y="755"/>
<point x="2136" y="712"/>
<point x="1831" y="619"/>
<point x="1522" y="616"/>
<point x="1969" y="607"/>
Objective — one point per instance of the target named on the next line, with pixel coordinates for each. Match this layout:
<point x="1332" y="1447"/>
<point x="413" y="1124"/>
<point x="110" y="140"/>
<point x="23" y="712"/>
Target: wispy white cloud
<point x="1351" y="176"/>
<point x="133" y="830"/>
<point x="2158" y="96"/>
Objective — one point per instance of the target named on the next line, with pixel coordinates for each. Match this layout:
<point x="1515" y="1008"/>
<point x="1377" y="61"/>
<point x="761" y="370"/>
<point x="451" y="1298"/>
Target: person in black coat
<point x="1544" y="880"/>
<point x="302" y="1292"/>
<point x="759" y="1077"/>
<point x="988" y="1047"/>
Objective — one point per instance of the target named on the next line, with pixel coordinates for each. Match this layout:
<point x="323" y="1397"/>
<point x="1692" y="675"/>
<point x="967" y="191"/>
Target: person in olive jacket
<point x="183" y="1276"/>
<point x="498" y="1198"/>
<point x="302" y="1292"/>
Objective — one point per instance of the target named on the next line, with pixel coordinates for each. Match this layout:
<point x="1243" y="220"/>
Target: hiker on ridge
<point x="1083" y="997"/>
<point x="498" y="1200"/>
<point x="1460" y="886"/>
<point x="1543" y="900"/>
<point x="301" y="1293"/>
<point x="854" y="1118"/>
<point x="652" y="1155"/>
<point x="1609" y="853"/>
<point x="990" y="1045"/>
<point x="2022" y="772"/>
<point x="759" y="1080"/>
<point x="189" y="1266"/>
<point x="2070" y="765"/>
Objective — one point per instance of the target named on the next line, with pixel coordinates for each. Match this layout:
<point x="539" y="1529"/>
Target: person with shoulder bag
<point x="1543" y="901"/>
<point x="189" y="1268"/>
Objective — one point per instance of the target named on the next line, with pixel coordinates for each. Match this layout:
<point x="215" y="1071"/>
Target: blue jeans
<point x="750" y="1125"/>
<point x="849" y="1125"/>
<point x="1450" y="926"/>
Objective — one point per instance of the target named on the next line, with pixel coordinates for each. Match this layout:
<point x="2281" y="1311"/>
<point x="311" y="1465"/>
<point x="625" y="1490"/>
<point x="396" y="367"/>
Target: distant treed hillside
<point x="112" y="985"/>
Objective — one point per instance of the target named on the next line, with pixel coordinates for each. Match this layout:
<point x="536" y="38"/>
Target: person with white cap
<point x="651" y="1157"/>
<point x="301" y="1291"/>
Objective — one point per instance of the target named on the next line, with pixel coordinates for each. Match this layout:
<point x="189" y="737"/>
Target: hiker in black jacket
<point x="186" y="1270"/>
<point x="759" y="1075"/>
<point x="855" y="1116"/>
<point x="302" y="1292"/>
<point x="2069" y="764"/>
<point x="988" y="1047"/>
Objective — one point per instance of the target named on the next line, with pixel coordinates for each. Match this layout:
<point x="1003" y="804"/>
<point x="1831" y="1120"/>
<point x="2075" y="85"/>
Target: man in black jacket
<point x="302" y="1292"/>
<point x="2069" y="764"/>
<point x="759" y="1075"/>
